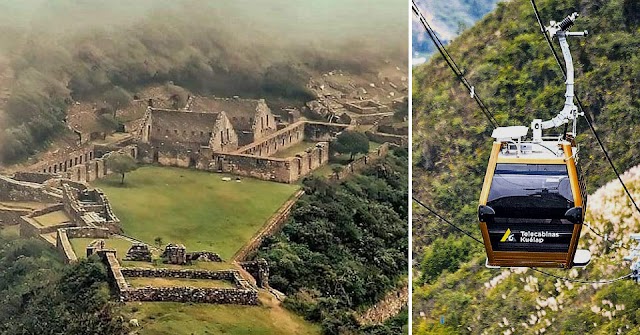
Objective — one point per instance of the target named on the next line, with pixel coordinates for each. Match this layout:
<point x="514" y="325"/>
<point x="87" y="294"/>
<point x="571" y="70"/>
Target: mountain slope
<point x="522" y="301"/>
<point x="508" y="61"/>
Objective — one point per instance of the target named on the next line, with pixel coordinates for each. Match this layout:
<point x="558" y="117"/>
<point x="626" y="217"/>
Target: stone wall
<point x="87" y="232"/>
<point x="82" y="165"/>
<point x="361" y="163"/>
<point x="64" y="160"/>
<point x="366" y="107"/>
<point x="11" y="216"/>
<point x="265" y="168"/>
<point x="204" y="256"/>
<point x="254" y="160"/>
<point x="394" y="130"/>
<point x="305" y="162"/>
<point x="322" y="132"/>
<point x="283" y="170"/>
<point x="228" y="275"/>
<point x="192" y="295"/>
<point x="64" y="246"/>
<point x="368" y="119"/>
<point x="243" y="294"/>
<point x="279" y="140"/>
<point x="13" y="190"/>
<point x="47" y="210"/>
<point x="274" y="225"/>
<point x="392" y="303"/>
<point x="259" y="269"/>
<point x="114" y="271"/>
<point x="33" y="177"/>
<point x="400" y="140"/>
<point x="99" y="213"/>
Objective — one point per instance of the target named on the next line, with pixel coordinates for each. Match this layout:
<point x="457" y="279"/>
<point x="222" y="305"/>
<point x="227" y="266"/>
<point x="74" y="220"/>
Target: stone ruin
<point x="177" y="254"/>
<point x="94" y="246"/>
<point x="174" y="254"/>
<point x="138" y="252"/>
<point x="259" y="269"/>
<point x="203" y="256"/>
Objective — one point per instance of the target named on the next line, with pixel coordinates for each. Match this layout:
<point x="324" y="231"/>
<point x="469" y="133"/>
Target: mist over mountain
<point x="54" y="53"/>
<point x="448" y="19"/>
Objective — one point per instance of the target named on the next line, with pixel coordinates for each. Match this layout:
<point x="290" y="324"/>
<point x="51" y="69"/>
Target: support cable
<point x="453" y="65"/>
<point x="579" y="103"/>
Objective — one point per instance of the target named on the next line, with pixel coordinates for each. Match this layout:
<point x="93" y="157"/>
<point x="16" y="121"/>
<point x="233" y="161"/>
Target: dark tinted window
<point x="530" y="191"/>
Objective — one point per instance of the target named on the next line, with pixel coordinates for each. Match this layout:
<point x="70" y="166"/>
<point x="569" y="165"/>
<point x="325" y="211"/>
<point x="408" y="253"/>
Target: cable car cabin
<point x="532" y="205"/>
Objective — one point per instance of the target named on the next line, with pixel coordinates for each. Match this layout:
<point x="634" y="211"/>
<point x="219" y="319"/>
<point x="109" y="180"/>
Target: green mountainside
<point x="507" y="59"/>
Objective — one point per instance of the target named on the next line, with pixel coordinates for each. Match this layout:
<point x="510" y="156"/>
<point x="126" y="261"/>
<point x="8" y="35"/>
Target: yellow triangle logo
<point x="506" y="235"/>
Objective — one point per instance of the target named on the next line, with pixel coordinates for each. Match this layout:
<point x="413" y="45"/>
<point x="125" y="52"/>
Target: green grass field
<point x="167" y="318"/>
<point x="10" y="231"/>
<point x="52" y="219"/>
<point x="192" y="207"/>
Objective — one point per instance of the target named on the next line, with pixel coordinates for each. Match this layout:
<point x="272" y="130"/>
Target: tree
<point x="121" y="163"/>
<point x="337" y="168"/>
<point x="158" y="241"/>
<point x="117" y="98"/>
<point x="351" y="142"/>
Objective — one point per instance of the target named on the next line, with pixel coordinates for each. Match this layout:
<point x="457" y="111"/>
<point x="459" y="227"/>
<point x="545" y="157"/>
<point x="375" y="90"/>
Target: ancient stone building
<point x="175" y="254"/>
<point x="188" y="130"/>
<point x="251" y="118"/>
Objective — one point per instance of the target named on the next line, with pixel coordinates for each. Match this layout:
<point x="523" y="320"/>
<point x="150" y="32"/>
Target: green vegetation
<point x="52" y="219"/>
<point x="507" y="59"/>
<point x="220" y="216"/>
<point x="41" y="295"/>
<point x="186" y="319"/>
<point x="10" y="231"/>
<point x="121" y="164"/>
<point x="344" y="247"/>
<point x="351" y="142"/>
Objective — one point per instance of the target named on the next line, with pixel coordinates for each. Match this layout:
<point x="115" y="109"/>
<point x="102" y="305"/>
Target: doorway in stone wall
<point x="155" y="157"/>
<point x="220" y="161"/>
<point x="192" y="162"/>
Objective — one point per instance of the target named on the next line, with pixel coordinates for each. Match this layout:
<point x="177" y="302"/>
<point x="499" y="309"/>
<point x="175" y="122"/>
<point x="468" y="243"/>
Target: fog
<point x="55" y="52"/>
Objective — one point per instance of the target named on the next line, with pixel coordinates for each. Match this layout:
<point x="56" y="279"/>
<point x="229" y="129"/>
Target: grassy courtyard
<point x="294" y="149"/>
<point x="52" y="219"/>
<point x="192" y="207"/>
<point x="178" y="319"/>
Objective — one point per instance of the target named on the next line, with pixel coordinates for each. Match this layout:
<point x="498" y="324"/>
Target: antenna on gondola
<point x="570" y="110"/>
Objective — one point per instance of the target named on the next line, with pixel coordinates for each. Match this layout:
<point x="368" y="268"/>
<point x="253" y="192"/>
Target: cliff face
<point x="512" y="68"/>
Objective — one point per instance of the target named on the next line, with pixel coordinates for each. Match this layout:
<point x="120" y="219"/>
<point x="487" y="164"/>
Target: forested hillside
<point x="345" y="247"/>
<point x="507" y="59"/>
<point x="41" y="295"/>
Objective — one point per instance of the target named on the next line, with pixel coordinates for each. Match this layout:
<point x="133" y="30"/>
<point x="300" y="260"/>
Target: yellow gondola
<point x="533" y="201"/>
